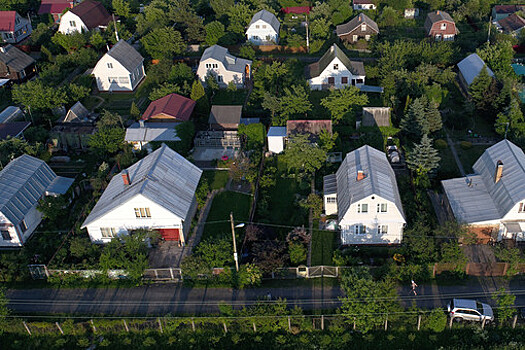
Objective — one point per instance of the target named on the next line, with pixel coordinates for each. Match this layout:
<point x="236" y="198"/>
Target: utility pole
<point x="490" y="25"/>
<point x="234" y="244"/>
<point x="307" y="38"/>
<point x="115" y="25"/>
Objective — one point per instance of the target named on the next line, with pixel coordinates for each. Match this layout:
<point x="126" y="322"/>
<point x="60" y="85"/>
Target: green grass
<point x="216" y="179"/>
<point x="323" y="245"/>
<point x="224" y="203"/>
<point x="447" y="166"/>
<point x="224" y="97"/>
<point x="90" y="102"/>
<point x="469" y="156"/>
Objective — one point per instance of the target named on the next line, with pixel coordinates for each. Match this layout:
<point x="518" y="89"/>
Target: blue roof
<point x="471" y="66"/>
<point x="279" y="131"/>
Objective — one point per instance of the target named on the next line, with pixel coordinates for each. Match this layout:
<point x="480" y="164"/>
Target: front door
<point x="170" y="234"/>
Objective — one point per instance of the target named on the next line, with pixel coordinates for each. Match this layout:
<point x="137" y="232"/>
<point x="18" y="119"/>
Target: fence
<point x="479" y="269"/>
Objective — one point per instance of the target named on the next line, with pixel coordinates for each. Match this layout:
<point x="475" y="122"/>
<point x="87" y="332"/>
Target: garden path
<point x="455" y="154"/>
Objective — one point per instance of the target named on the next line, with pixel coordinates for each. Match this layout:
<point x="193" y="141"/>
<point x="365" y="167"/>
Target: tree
<point x="389" y="17"/>
<point x="214" y="31"/>
<point x="134" y="111"/>
<point x="77" y="92"/>
<point x="107" y="140"/>
<point x="327" y="140"/>
<point x="343" y="101"/>
<point x="297" y="253"/>
<point x="97" y="40"/>
<point x="419" y="243"/>
<point x="243" y="169"/>
<point x="70" y="42"/>
<point x="186" y="132"/>
<point x="483" y="91"/>
<point x="36" y="95"/>
<point x="12" y="148"/>
<point x="272" y="103"/>
<point x="221" y="7"/>
<point x="320" y="28"/>
<point x="302" y="156"/>
<point x="423" y="158"/>
<point x="422" y="117"/>
<point x="52" y="208"/>
<point x="121" y="7"/>
<point x="215" y="254"/>
<point x="197" y="91"/>
<point x="294" y="101"/>
<point x="451" y="253"/>
<point x="505" y="302"/>
<point x="511" y="120"/>
<point x="249" y="275"/>
<point x="247" y="51"/>
<point x="315" y="203"/>
<point x="108" y="119"/>
<point x="181" y="73"/>
<point x="164" y="90"/>
<point x="240" y="15"/>
<point x="163" y="43"/>
<point x="123" y="32"/>
<point x="436" y="320"/>
<point x="4" y="310"/>
<point x="253" y="135"/>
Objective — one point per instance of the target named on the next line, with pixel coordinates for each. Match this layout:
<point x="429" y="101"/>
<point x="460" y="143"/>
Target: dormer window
<point x="264" y="26"/>
<point x="336" y="66"/>
<point x="443" y="26"/>
<point x="363" y="27"/>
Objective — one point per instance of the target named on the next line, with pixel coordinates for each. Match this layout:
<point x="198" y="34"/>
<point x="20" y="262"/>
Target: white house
<point x="364" y="5"/>
<point x="157" y="192"/>
<point x="364" y="196"/>
<point x="492" y="200"/>
<point x="263" y="28"/>
<point x="23" y="182"/>
<point x="120" y="69"/>
<point x="84" y="17"/>
<point x="276" y="138"/>
<point x="335" y="70"/>
<point x="217" y="61"/>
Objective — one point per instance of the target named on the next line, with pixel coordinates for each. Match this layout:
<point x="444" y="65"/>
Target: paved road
<point x="160" y="300"/>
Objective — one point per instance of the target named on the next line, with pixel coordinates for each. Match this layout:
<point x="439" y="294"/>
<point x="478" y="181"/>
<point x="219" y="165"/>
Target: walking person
<point x="414" y="285"/>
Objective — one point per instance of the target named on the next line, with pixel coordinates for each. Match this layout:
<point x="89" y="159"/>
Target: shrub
<point x="297" y="253"/>
<point x="249" y="275"/>
<point x="436" y="320"/>
<point x="440" y="144"/>
<point x="465" y="145"/>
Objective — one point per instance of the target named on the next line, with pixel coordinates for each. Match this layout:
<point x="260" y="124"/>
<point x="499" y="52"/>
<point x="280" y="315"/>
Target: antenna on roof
<point x="115" y="25"/>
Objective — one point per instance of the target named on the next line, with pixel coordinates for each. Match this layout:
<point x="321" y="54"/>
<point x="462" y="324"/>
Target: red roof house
<point x="297" y="9"/>
<point x="54" y="8"/>
<point x="13" y="27"/>
<point x="7" y="21"/>
<point x="173" y="107"/>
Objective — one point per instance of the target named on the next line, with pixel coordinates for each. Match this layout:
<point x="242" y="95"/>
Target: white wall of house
<point x="16" y="232"/>
<point x="123" y="219"/>
<point x="330" y="204"/>
<point x="337" y="70"/>
<point x="372" y="226"/>
<point x="113" y="76"/>
<point x="260" y="33"/>
<point x="364" y="7"/>
<point x="223" y="76"/>
<point x="70" y="23"/>
<point x="276" y="144"/>
<point x="516" y="214"/>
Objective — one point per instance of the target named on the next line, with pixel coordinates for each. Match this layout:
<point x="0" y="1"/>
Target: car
<point x="470" y="310"/>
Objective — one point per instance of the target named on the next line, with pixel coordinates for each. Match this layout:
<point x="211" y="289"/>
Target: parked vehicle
<point x="470" y="310"/>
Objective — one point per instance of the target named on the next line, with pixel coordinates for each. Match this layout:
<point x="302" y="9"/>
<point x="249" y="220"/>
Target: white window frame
<point x="363" y="27"/>
<point x="362" y="208"/>
<point x="382" y="207"/>
<point x="359" y="229"/>
<point x="108" y="232"/>
<point x="382" y="229"/>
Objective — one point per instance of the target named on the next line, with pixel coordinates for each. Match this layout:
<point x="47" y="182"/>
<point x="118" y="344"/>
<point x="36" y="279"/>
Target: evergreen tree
<point x="484" y="92"/>
<point x="134" y="111"/>
<point x="423" y="158"/>
<point x="512" y="119"/>
<point x="433" y="117"/>
<point x="412" y="121"/>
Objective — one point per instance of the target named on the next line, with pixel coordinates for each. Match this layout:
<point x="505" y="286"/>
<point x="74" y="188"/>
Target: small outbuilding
<point x="276" y="139"/>
<point x="469" y="69"/>
<point x="225" y="117"/>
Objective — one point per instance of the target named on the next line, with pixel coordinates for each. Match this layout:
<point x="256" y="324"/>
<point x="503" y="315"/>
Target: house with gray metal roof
<point x="335" y="69"/>
<point x="263" y="28"/>
<point x="140" y="134"/>
<point x="469" y="69"/>
<point x="23" y="182"/>
<point x="224" y="67"/>
<point x="494" y="196"/>
<point x="157" y="192"/>
<point x="16" y="65"/>
<point x="120" y="69"/>
<point x="363" y="194"/>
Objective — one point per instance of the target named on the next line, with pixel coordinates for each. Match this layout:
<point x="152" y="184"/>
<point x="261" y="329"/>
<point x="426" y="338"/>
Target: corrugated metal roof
<point x="379" y="180"/>
<point x="330" y="184"/>
<point x="279" y="131"/>
<point x="230" y="62"/>
<point x="126" y="55"/>
<point x="267" y="17"/>
<point x="22" y="183"/>
<point x="10" y="113"/>
<point x="15" y="58"/>
<point x="471" y="66"/>
<point x="164" y="177"/>
<point x="162" y="132"/>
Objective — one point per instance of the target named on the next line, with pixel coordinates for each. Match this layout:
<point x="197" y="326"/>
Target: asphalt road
<point x="159" y="300"/>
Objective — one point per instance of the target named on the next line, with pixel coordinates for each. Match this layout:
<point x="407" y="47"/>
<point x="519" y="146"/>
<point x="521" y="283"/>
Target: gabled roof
<point x="230" y="62"/>
<point x="172" y="105"/>
<point x="512" y="23"/>
<point x="76" y="114"/>
<point x="12" y="129"/>
<point x="355" y="23"/>
<point x="10" y="113"/>
<point x="225" y="114"/>
<point x="54" y="6"/>
<point x="379" y="180"/>
<point x="507" y="8"/>
<point x="92" y="13"/>
<point x="315" y="69"/>
<point x="126" y="55"/>
<point x="22" y="183"/>
<point x="15" y="58"/>
<point x="471" y="66"/>
<point x="7" y="21"/>
<point x="276" y="131"/>
<point x="160" y="132"/>
<point x="164" y="177"/>
<point x="267" y="17"/>
<point x="313" y="127"/>
<point x="438" y="16"/>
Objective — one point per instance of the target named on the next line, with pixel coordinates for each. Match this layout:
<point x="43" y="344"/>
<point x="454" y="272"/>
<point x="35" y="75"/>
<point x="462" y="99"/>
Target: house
<point x="226" y="68"/>
<point x="297" y="10"/>
<point x="374" y="116"/>
<point x="263" y="28"/>
<point x="278" y="135"/>
<point x="10" y="114"/>
<point x="85" y="16"/>
<point x="157" y="192"/>
<point x="16" y="65"/>
<point x="276" y="139"/>
<point x="492" y="200"/>
<point x="23" y="182"/>
<point x="55" y="8"/>
<point x="225" y="117"/>
<point x="170" y="108"/>
<point x="74" y="129"/>
<point x="411" y="13"/>
<point x="364" y="195"/>
<point x="13" y="27"/>
<point x="501" y="11"/>
<point x="440" y="26"/>
<point x="335" y="70"/>
<point x="140" y="134"/>
<point x="359" y="27"/>
<point x="364" y="5"/>
<point x="120" y="69"/>
<point x="469" y="68"/>
<point x="511" y="25"/>
<point x="13" y="130"/>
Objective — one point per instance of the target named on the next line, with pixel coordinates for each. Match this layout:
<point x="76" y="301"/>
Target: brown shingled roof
<point x="308" y="126"/>
<point x="92" y="13"/>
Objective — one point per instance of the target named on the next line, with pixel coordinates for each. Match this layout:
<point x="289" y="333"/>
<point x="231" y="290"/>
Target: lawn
<point x="218" y="224"/>
<point x="216" y="179"/>
<point x="447" y="166"/>
<point x="323" y="245"/>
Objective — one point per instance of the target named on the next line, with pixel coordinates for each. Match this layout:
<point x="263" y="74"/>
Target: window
<point x="108" y="232"/>
<point x="110" y="65"/>
<point x="264" y="26"/>
<point x="72" y="24"/>
<point x="381" y="207"/>
<point x="23" y="226"/>
<point x="6" y="236"/>
<point x="336" y="66"/>
<point x="382" y="229"/>
<point x="359" y="229"/>
<point x="362" y="208"/>
<point x="220" y="79"/>
<point x="443" y="26"/>
<point x="331" y="80"/>
<point x="255" y="37"/>
<point x="354" y="37"/>
<point x="367" y="37"/>
<point x="257" y="26"/>
<point x="142" y="213"/>
<point x="331" y="200"/>
<point x="344" y="80"/>
<point x="363" y="27"/>
<point x="522" y="208"/>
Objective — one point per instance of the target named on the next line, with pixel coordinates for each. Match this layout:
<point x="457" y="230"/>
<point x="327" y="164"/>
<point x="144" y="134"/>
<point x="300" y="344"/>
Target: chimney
<point x="2" y="49"/>
<point x="360" y="175"/>
<point x="125" y="177"/>
<point x="437" y="12"/>
<point x="499" y="171"/>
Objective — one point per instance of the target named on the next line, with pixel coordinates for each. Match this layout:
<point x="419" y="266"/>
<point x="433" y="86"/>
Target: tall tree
<point x="36" y="95"/>
<point x="340" y="102"/>
<point x="214" y="31"/>
<point x="221" y="7"/>
<point x="483" y="91"/>
<point x="423" y="158"/>
<point x="240" y="15"/>
<point x="121" y="7"/>
<point x="302" y="156"/>
<point x="294" y="101"/>
<point x="70" y="42"/>
<point x="511" y="120"/>
<point x="163" y="43"/>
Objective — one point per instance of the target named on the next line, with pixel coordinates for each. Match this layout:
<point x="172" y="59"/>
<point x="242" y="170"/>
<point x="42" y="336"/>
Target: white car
<point x="470" y="310"/>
